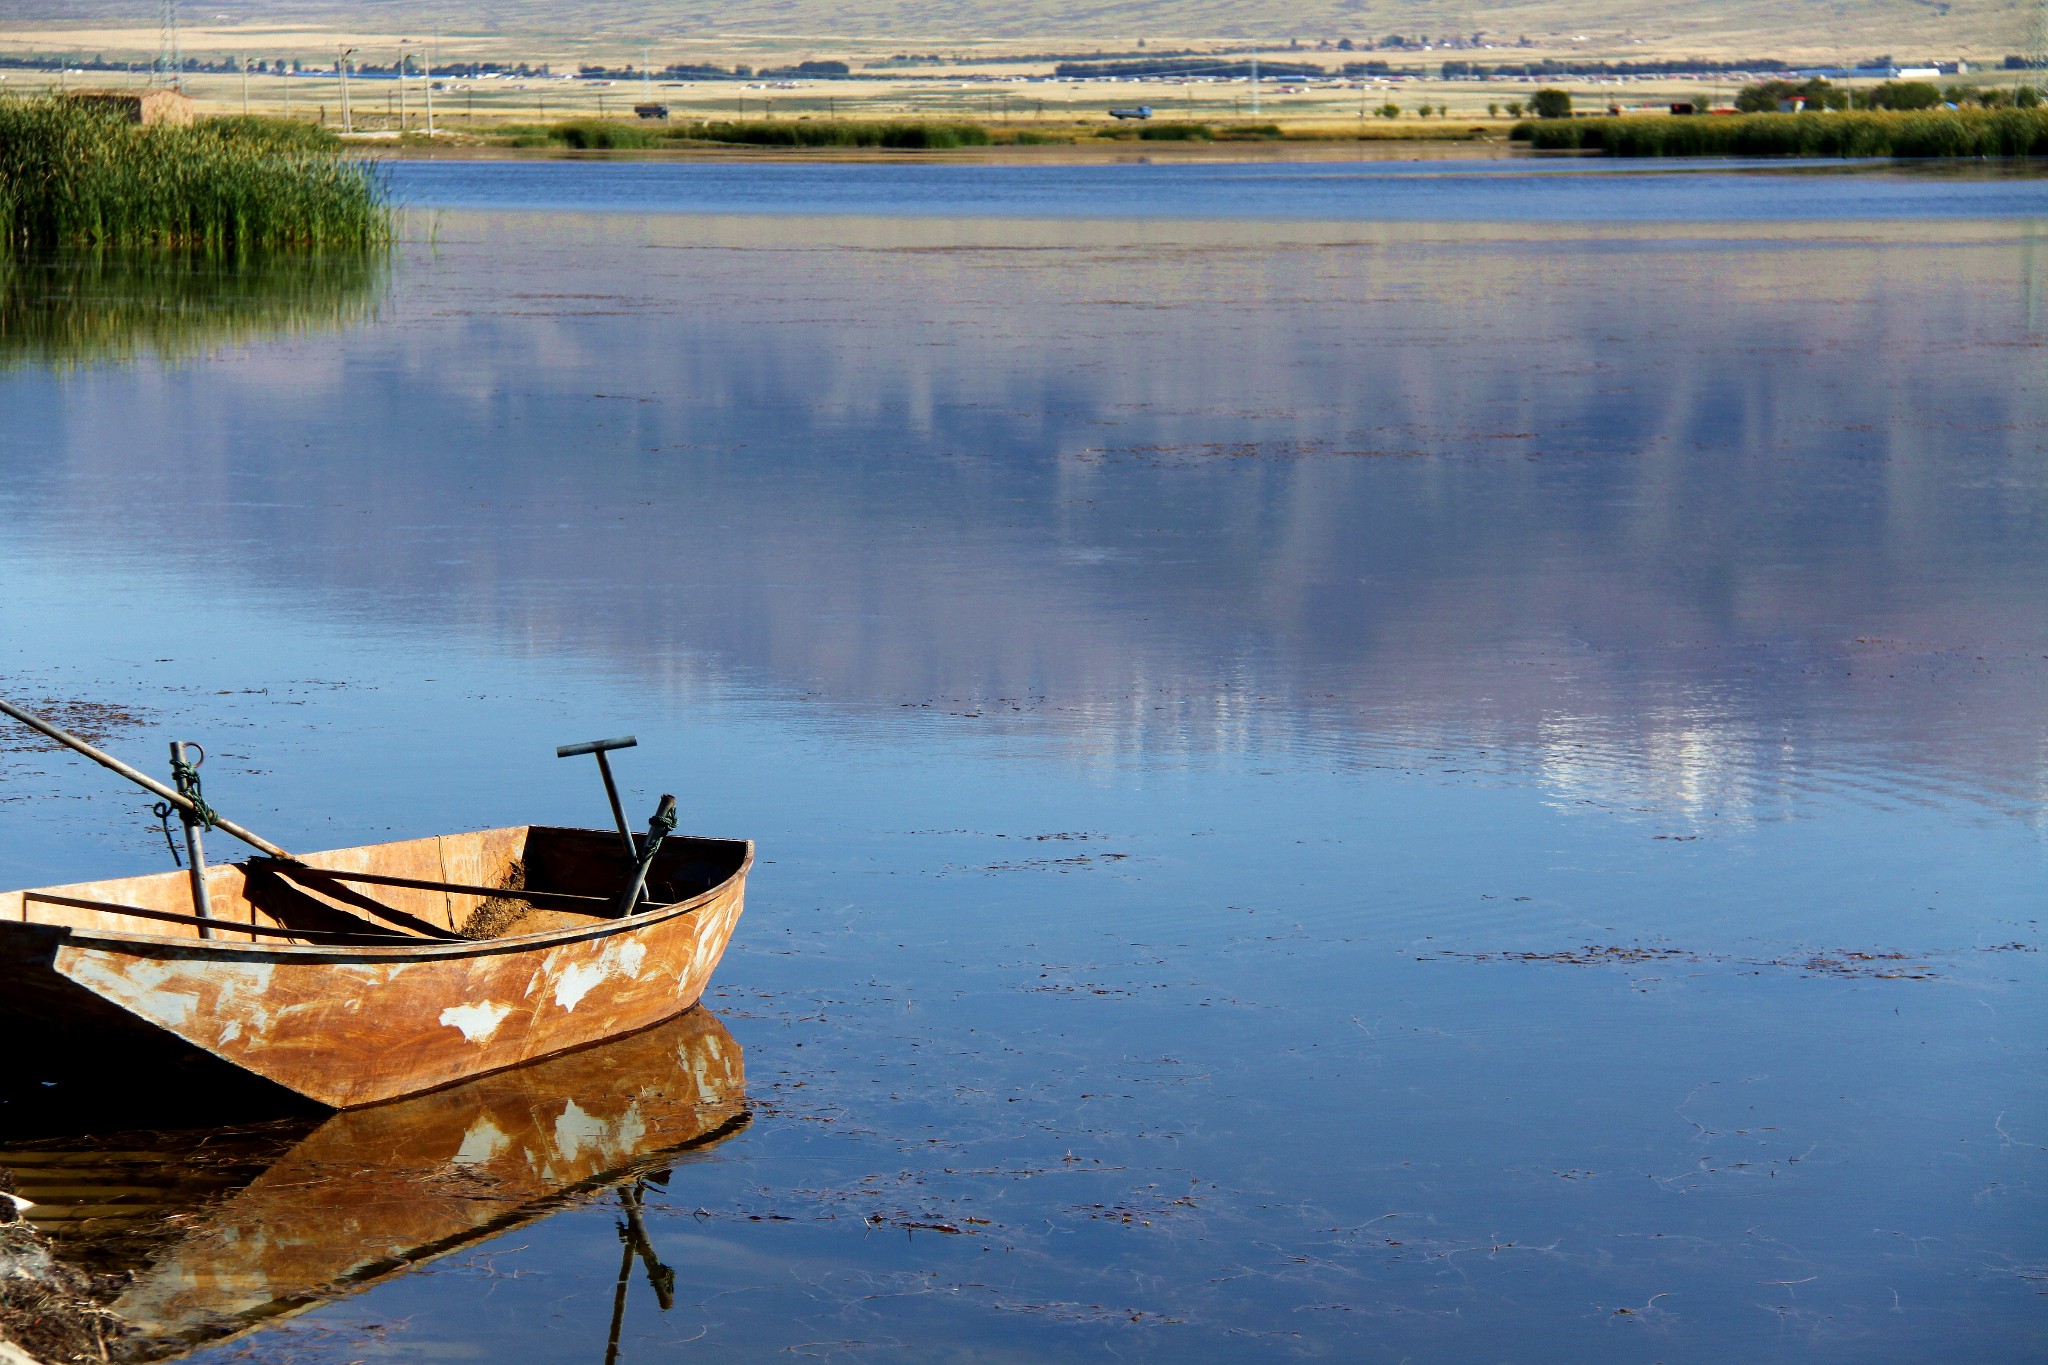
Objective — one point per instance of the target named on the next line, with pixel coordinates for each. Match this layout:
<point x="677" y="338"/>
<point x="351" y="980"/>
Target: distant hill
<point x="1820" y="29"/>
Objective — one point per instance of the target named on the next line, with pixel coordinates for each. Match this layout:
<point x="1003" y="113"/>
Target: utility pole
<point x="170" y="63"/>
<point x="285" y="73"/>
<point x="1255" y="85"/>
<point x="430" y="83"/>
<point x="401" y="85"/>
<point x="341" y="65"/>
<point x="646" y="77"/>
<point x="245" y="84"/>
<point x="2037" y="48"/>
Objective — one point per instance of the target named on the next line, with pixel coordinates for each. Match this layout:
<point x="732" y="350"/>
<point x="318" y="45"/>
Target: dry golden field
<point x="761" y="32"/>
<point x="381" y="107"/>
<point x="865" y="29"/>
<point x="987" y="70"/>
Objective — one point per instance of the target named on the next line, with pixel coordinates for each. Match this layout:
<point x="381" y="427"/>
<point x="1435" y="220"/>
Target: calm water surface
<point x="1373" y="765"/>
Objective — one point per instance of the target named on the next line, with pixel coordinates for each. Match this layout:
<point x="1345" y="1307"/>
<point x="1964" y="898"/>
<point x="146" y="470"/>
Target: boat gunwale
<point x="313" y="954"/>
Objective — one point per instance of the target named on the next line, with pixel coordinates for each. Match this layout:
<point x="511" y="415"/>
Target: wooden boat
<point x="213" y="1231"/>
<point x="362" y="974"/>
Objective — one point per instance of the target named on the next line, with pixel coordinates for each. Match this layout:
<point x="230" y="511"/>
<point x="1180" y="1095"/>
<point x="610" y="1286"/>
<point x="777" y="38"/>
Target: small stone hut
<point x="153" y="105"/>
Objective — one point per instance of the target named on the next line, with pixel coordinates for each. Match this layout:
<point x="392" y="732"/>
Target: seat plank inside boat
<point x="462" y="886"/>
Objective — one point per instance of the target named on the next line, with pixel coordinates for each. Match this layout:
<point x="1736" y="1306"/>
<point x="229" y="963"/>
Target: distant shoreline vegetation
<point x="618" y="135"/>
<point x="591" y="134"/>
<point x="1852" y="133"/>
<point x="76" y="175"/>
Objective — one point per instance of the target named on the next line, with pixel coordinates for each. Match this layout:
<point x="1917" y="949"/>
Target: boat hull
<point x="353" y="1025"/>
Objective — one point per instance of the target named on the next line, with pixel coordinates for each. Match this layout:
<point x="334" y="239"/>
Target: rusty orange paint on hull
<point x="353" y="1023"/>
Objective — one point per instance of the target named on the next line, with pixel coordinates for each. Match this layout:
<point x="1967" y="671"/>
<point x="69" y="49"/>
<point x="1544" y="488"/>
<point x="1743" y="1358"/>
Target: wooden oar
<point x="140" y="779"/>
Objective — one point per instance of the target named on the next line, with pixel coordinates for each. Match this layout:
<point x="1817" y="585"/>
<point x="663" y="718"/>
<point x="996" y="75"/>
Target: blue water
<point x="1573" y="191"/>
<point x="1383" y="764"/>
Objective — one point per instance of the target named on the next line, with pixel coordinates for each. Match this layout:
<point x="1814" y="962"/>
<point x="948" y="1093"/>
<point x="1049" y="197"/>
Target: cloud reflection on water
<point x="1699" y="515"/>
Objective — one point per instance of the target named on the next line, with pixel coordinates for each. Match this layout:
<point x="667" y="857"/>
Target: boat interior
<point x="496" y="883"/>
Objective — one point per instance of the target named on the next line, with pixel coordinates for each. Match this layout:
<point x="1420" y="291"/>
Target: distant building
<point x="144" y="106"/>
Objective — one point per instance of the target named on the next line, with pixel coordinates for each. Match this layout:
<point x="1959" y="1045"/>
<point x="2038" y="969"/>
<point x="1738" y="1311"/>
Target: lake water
<point x="1375" y="763"/>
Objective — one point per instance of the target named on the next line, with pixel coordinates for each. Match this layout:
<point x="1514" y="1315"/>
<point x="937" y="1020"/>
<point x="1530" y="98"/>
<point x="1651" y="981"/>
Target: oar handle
<point x="140" y="779"/>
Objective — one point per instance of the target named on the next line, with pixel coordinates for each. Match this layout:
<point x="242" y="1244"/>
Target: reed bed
<point x="917" y="135"/>
<point x="1858" y="133"/>
<point x="584" y="134"/>
<point x="618" y="135"/>
<point x="276" y="134"/>
<point x="75" y="175"/>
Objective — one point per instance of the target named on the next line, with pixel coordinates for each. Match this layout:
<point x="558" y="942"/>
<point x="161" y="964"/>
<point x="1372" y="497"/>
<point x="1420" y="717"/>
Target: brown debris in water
<point x="95" y="722"/>
<point x="1842" y="963"/>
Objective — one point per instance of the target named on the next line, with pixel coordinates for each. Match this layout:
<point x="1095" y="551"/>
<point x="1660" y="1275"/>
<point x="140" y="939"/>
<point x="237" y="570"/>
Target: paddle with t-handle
<point x="601" y="747"/>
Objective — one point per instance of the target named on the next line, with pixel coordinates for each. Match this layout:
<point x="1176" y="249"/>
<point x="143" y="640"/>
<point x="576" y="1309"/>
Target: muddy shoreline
<point x="50" y="1311"/>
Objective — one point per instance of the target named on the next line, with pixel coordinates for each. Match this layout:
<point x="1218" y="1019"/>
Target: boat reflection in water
<point x="224" y="1228"/>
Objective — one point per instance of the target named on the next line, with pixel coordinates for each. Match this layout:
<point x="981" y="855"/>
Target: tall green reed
<point x="1859" y="133"/>
<point x="930" y="136"/>
<point x="72" y="174"/>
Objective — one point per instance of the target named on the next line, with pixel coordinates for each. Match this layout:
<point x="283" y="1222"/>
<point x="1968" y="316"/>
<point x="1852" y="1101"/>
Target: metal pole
<point x="611" y="1345"/>
<point x="430" y="96"/>
<point x="611" y="789"/>
<point x="245" y="85"/>
<point x="347" y="123"/>
<point x="401" y="90"/>
<point x="140" y="779"/>
<point x="202" y="904"/>
<point x="1255" y="85"/>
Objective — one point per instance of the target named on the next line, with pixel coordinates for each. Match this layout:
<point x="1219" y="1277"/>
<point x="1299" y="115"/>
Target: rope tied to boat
<point x="186" y="775"/>
<point x="664" y="822"/>
<point x="163" y="811"/>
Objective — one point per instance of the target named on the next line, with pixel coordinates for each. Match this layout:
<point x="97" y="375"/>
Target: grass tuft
<point x="1857" y="133"/>
<point x="72" y="174"/>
